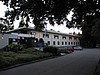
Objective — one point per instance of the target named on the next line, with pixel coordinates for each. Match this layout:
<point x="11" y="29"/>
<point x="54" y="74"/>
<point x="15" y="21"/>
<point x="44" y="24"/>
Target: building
<point x="30" y="37"/>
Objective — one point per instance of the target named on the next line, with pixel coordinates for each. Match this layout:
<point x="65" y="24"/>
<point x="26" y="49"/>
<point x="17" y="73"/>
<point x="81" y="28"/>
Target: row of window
<point x="57" y="37"/>
<point x="64" y="43"/>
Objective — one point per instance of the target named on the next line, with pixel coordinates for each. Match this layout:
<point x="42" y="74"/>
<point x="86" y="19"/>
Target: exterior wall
<point x="60" y="41"/>
<point x="3" y="40"/>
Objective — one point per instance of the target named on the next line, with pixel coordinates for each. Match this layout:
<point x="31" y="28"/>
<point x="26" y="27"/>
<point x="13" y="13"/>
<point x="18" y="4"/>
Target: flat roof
<point x="48" y="31"/>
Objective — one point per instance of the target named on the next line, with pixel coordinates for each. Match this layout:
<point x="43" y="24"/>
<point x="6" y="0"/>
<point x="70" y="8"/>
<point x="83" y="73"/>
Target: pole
<point x="45" y="37"/>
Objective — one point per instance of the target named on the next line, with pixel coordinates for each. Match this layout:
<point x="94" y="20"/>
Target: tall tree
<point x="51" y="10"/>
<point x="5" y="25"/>
<point x="96" y="30"/>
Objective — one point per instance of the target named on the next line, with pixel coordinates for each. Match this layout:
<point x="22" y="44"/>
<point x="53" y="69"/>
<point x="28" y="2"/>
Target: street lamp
<point x="45" y="37"/>
<point x="32" y="34"/>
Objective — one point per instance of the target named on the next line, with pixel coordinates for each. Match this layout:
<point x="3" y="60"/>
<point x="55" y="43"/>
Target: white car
<point x="77" y="48"/>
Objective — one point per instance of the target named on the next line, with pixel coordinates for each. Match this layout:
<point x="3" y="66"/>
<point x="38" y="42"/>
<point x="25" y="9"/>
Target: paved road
<point x="77" y="63"/>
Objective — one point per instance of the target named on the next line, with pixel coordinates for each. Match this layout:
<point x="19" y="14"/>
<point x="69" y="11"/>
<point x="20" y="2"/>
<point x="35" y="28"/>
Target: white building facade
<point x="51" y="37"/>
<point x="54" y="38"/>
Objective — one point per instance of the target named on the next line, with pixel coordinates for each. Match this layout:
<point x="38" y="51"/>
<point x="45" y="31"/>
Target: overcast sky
<point x="61" y="28"/>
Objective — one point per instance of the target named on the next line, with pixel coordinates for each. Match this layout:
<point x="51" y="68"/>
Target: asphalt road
<point x="76" y="63"/>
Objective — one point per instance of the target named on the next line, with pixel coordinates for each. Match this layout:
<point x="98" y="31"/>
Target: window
<point x="63" y="37"/>
<point x="62" y="43"/>
<point x="70" y="38"/>
<point x="75" y="38"/>
<point x="14" y="40"/>
<point x="53" y="42"/>
<point x="47" y="35"/>
<point x="74" y="43"/>
<point x="58" y="42"/>
<point x="71" y="43"/>
<point x="68" y="43"/>
<point x="65" y="43"/>
<point x="48" y="42"/>
<point x="56" y="36"/>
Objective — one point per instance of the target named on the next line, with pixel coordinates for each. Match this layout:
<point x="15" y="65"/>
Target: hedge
<point x="12" y="58"/>
<point x="50" y="49"/>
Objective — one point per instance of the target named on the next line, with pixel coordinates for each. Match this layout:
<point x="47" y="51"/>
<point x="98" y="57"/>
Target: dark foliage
<point x="13" y="47"/>
<point x="50" y="49"/>
<point x="5" y="25"/>
<point x="51" y="10"/>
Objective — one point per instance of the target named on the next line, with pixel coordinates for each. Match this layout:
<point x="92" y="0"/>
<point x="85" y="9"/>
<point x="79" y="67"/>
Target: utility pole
<point x="45" y="37"/>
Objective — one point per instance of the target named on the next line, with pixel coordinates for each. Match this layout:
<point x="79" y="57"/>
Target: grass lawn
<point x="9" y="58"/>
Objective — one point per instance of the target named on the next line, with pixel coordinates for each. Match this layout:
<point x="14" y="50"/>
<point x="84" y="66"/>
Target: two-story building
<point x="30" y="36"/>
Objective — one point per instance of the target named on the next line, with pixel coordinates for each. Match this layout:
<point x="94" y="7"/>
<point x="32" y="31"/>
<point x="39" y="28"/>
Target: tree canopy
<point x="5" y="25"/>
<point x="52" y="10"/>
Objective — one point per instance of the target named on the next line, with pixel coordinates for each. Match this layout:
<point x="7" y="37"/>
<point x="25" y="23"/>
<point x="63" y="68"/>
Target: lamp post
<point x="45" y="37"/>
<point x="32" y="36"/>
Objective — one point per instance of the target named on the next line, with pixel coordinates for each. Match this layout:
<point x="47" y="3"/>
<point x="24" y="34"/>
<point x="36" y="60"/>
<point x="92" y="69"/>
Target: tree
<point x="52" y="10"/>
<point x="96" y="30"/>
<point x="4" y="25"/>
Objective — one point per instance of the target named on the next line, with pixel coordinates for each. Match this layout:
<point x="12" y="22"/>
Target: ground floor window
<point x="48" y="42"/>
<point x="58" y="43"/>
<point x="62" y="43"/>
<point x="68" y="43"/>
<point x="53" y="42"/>
<point x="65" y="43"/>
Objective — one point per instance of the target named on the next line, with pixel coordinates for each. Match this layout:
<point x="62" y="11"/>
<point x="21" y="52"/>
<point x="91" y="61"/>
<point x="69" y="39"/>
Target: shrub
<point x="13" y="47"/>
<point x="8" y="58"/>
<point x="8" y="54"/>
<point x="28" y="50"/>
<point x="50" y="49"/>
<point x="6" y="61"/>
<point x="26" y="58"/>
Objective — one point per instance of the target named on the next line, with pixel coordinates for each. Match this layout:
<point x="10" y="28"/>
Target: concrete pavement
<point x="76" y="63"/>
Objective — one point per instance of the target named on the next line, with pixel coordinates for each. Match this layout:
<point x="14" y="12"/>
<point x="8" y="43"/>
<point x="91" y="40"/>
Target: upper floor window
<point x="63" y="37"/>
<point x="70" y="38"/>
<point x="47" y="35"/>
<point x="56" y="36"/>
<point x="75" y="38"/>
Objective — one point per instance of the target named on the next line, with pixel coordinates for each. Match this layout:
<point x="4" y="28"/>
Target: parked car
<point x="70" y="48"/>
<point x="78" y="47"/>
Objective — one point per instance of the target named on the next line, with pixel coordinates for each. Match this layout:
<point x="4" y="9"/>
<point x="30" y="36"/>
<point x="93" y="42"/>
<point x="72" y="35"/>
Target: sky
<point x="61" y="28"/>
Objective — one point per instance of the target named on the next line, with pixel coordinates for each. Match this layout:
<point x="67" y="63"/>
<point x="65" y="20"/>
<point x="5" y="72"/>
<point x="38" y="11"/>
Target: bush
<point x="12" y="58"/>
<point x="26" y="58"/>
<point x="6" y="61"/>
<point x="50" y="49"/>
<point x="13" y="47"/>
<point x="28" y="51"/>
<point x="8" y="54"/>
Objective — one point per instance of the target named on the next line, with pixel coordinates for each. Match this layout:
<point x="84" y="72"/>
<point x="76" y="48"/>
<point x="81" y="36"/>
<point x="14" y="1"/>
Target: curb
<point x="26" y="63"/>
